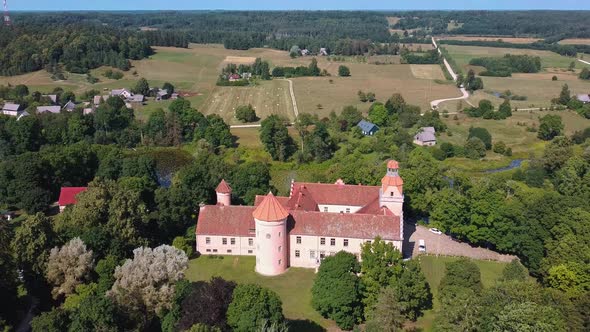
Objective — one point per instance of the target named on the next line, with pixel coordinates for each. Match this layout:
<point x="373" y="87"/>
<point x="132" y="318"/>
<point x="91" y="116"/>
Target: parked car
<point x="421" y="246"/>
<point x="435" y="231"/>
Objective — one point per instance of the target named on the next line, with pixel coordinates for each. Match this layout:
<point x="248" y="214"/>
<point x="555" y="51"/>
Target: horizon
<point x="302" y="5"/>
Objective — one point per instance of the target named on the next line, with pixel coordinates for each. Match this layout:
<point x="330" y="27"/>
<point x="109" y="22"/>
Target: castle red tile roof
<point x="67" y="196"/>
<point x="392" y="164"/>
<point x="270" y="209"/>
<point x="390" y="180"/>
<point x="237" y="221"/>
<point x="340" y="194"/>
<point x="375" y="208"/>
<point x="301" y="199"/>
<point x="282" y="199"/>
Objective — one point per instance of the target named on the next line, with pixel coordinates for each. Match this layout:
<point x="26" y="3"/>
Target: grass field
<point x="463" y="54"/>
<point x="522" y="142"/>
<point x="575" y="41"/>
<point x="434" y="269"/>
<point x="294" y="287"/>
<point x="514" y="40"/>
<point x="428" y="72"/>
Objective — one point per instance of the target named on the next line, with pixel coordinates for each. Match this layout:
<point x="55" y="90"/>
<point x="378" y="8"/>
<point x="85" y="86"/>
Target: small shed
<point x="425" y="137"/>
<point x="367" y="128"/>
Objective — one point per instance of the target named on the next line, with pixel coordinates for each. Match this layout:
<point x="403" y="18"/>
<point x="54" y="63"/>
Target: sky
<point x="296" y="4"/>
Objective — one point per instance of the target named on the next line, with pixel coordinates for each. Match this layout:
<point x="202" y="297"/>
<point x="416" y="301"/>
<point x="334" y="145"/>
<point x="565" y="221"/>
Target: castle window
<point x="208" y="240"/>
<point x="332" y="242"/>
<point x="297" y="253"/>
<point x="369" y="241"/>
<point x="233" y="240"/>
<point x="325" y="209"/>
<point x="208" y="250"/>
<point x="280" y="248"/>
<point x="391" y="194"/>
<point x="268" y="236"/>
<point x="279" y="262"/>
<point x="214" y="250"/>
<point x="250" y="242"/>
<point x="298" y="239"/>
<point x="323" y="241"/>
<point x="250" y="251"/>
<point x="347" y="210"/>
<point x="346" y="242"/>
<point x="312" y="254"/>
<point x="279" y="234"/>
<point x="229" y="251"/>
<point x="322" y="255"/>
<point x="224" y="241"/>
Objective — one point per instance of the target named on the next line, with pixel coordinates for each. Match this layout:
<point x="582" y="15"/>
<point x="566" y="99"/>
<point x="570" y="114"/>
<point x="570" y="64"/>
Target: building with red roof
<point x="67" y="196"/>
<point x="316" y="220"/>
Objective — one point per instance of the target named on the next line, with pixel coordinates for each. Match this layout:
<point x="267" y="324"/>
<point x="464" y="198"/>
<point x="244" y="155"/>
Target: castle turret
<point x="272" y="250"/>
<point x="391" y="194"/>
<point x="223" y="192"/>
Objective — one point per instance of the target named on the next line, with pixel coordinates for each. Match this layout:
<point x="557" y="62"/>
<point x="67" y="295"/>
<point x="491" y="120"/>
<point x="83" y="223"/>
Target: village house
<point x="11" y="109"/>
<point x="97" y="100"/>
<point x="585" y="98"/>
<point x="304" y="52"/>
<point x="315" y="221"/>
<point x="69" y="106"/>
<point x="367" y="128"/>
<point x="324" y="51"/>
<point x="162" y="94"/>
<point x="67" y="196"/>
<point x="53" y="98"/>
<point x="48" y="109"/>
<point x="234" y="77"/>
<point x="136" y="99"/>
<point x="124" y="93"/>
<point x="425" y="137"/>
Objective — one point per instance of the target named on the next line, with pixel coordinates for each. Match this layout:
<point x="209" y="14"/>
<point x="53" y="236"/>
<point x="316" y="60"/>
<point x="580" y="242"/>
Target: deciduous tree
<point x="68" y="267"/>
<point x="252" y="306"/>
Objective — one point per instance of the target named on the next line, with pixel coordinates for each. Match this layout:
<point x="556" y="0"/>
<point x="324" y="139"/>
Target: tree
<point x="95" y="313"/>
<point x="351" y="115"/>
<point x="8" y="277"/>
<point x="386" y="314"/>
<point x="142" y="87"/>
<point x="549" y="127"/>
<point x="207" y="303"/>
<point x="483" y="134"/>
<point x="585" y="74"/>
<point x="505" y="110"/>
<point x="565" y="95"/>
<point x="362" y="96"/>
<point x="68" y="267"/>
<point x="335" y="292"/>
<point x="168" y="87"/>
<point x="381" y="261"/>
<point x="499" y="147"/>
<point x="514" y="272"/>
<point x="378" y="115"/>
<point x="276" y="139"/>
<point x="529" y="316"/>
<point x="246" y="113"/>
<point x="145" y="284"/>
<point x="217" y="132"/>
<point x="31" y="243"/>
<point x="411" y="290"/>
<point x="370" y="96"/>
<point x="55" y="320"/>
<point x="252" y="306"/>
<point x="475" y="148"/>
<point x="463" y="273"/>
<point x="343" y="71"/>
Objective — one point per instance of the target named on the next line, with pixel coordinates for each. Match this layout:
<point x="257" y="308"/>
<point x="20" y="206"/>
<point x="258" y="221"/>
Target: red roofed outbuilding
<point x="67" y="196"/>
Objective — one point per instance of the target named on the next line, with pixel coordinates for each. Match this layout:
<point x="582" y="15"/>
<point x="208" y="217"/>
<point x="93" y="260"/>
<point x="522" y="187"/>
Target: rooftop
<point x="270" y="209"/>
<point x="68" y="195"/>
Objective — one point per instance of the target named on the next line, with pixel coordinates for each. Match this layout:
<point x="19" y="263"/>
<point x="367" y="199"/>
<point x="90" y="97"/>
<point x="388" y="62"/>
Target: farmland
<point x="514" y="40"/>
<point x="575" y="41"/>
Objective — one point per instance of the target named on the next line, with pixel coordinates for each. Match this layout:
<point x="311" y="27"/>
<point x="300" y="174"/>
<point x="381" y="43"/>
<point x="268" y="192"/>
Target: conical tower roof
<point x="223" y="188"/>
<point x="270" y="209"/>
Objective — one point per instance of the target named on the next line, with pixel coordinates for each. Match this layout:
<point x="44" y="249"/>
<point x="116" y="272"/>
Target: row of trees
<point x="508" y="64"/>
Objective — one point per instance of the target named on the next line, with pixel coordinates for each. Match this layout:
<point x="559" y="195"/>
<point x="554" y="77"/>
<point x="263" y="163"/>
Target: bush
<point x="246" y="113"/>
<point x="554" y="78"/>
<point x="475" y="148"/>
<point x="343" y="71"/>
<point x="483" y="134"/>
<point x="499" y="147"/>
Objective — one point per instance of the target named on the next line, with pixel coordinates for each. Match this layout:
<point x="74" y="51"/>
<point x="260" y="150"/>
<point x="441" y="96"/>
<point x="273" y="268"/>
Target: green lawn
<point x="294" y="287"/>
<point x="434" y="269"/>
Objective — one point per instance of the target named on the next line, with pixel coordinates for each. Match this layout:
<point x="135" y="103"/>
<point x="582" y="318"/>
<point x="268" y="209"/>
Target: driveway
<point x="444" y="245"/>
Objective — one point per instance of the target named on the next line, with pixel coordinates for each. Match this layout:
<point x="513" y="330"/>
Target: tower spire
<point x="7" y="20"/>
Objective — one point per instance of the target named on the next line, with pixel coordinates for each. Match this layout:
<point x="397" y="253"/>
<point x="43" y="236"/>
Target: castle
<point x="316" y="220"/>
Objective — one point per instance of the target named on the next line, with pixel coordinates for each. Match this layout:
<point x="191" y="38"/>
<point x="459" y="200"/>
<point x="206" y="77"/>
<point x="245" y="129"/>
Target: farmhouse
<point x="316" y="220"/>
<point x="162" y="94"/>
<point x="136" y="99"/>
<point x="585" y="98"/>
<point x="367" y="128"/>
<point x="48" y="109"/>
<point x="425" y="137"/>
<point x="234" y="77"/>
<point x="11" y="109"/>
<point x="67" y="196"/>
<point x="69" y="106"/>
<point x="121" y="93"/>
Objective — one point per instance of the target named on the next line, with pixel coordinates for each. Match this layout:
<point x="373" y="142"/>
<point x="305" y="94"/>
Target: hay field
<point x="463" y="54"/>
<point x="383" y="80"/>
<point x="575" y="41"/>
<point x="417" y="47"/>
<point x="269" y="97"/>
<point x="514" y="40"/>
<point x="428" y="72"/>
<point x="239" y="60"/>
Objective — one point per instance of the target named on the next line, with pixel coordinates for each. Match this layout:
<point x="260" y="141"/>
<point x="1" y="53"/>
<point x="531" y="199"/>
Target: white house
<point x="425" y="137"/>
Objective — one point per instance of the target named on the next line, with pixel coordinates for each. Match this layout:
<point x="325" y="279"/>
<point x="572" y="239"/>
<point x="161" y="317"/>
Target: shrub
<point x="343" y="71"/>
<point x="246" y="113"/>
<point x="499" y="147"/>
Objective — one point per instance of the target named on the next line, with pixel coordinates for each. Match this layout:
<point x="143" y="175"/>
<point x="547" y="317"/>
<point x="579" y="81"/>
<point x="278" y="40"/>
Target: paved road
<point x="444" y="245"/>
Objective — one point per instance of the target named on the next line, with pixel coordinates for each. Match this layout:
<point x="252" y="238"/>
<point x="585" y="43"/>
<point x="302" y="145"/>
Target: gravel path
<point x="444" y="245"/>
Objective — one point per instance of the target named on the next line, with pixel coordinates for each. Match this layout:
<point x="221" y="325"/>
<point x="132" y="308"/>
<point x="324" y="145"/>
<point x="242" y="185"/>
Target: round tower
<point x="223" y="192"/>
<point x="272" y="252"/>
